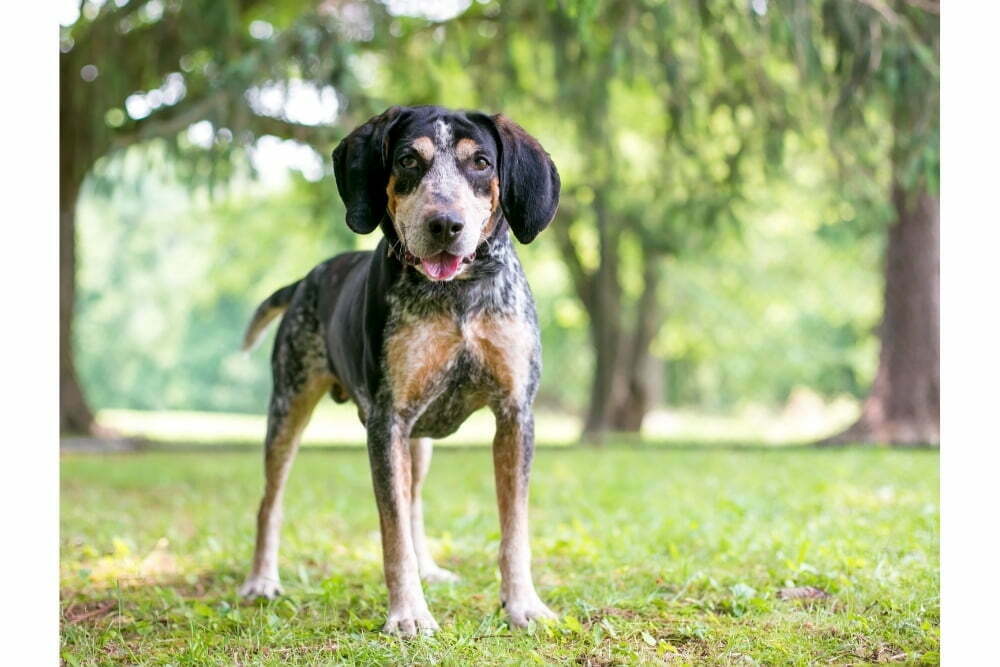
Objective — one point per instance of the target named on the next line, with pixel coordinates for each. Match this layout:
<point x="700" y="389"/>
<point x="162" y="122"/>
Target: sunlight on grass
<point x="804" y="419"/>
<point x="648" y="555"/>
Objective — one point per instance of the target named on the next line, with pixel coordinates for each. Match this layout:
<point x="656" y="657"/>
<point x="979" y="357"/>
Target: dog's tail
<point x="269" y="309"/>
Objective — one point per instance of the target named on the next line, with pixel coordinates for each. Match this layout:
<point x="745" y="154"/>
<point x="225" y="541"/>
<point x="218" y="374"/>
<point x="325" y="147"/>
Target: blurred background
<point x="746" y="248"/>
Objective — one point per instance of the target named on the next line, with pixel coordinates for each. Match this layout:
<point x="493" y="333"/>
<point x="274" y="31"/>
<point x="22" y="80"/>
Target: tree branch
<point x="170" y="120"/>
<point x="648" y="314"/>
<point x="317" y="136"/>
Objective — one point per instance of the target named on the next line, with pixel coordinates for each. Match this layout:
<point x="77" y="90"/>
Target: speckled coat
<point x="417" y="356"/>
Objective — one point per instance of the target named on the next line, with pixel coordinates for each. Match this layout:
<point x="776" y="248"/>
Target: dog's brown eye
<point x="481" y="163"/>
<point x="407" y="162"/>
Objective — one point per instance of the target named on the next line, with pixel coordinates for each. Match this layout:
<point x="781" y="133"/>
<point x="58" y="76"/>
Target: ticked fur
<point x="438" y="175"/>
<point x="446" y="357"/>
<point x="418" y="356"/>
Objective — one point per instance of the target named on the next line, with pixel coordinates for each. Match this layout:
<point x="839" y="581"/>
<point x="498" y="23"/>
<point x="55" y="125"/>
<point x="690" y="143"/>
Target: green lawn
<point x="648" y="553"/>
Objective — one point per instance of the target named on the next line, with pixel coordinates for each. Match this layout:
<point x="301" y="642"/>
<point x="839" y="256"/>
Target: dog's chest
<point x="440" y="368"/>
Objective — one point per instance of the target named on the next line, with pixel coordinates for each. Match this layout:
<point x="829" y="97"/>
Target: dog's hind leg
<point x="301" y="378"/>
<point x="286" y="421"/>
<point x="420" y="462"/>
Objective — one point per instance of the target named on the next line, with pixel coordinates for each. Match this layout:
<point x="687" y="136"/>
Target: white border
<point x="29" y="490"/>
<point x="970" y="252"/>
<point x="970" y="331"/>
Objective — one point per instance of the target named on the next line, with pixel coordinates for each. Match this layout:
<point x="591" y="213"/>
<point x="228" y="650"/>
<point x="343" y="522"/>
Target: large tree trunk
<point x="904" y="405"/>
<point x="75" y="151"/>
<point x="75" y="415"/>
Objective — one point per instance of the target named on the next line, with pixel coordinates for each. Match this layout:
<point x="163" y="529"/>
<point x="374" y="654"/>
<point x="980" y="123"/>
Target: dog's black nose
<point x="444" y="227"/>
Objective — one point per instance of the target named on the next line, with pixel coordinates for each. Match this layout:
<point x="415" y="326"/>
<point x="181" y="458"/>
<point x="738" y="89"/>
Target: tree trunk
<point x="75" y="151"/>
<point x="622" y="389"/>
<point x="607" y="383"/>
<point x="904" y="405"/>
<point x="75" y="415"/>
<point x="604" y="310"/>
<point x="638" y="368"/>
<point x="622" y="386"/>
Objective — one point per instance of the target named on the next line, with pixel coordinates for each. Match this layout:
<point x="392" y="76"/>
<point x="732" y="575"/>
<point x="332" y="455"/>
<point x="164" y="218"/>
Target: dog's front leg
<point x="389" y="454"/>
<point x="513" y="447"/>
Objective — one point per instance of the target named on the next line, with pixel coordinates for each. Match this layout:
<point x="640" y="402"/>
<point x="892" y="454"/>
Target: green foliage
<point x="876" y="69"/>
<point x="792" y="300"/>
<point x="168" y="286"/>
<point x="648" y="555"/>
<point x="746" y="158"/>
<point x="136" y="71"/>
<point x="171" y="280"/>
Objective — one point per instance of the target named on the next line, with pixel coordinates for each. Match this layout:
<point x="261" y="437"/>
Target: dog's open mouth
<point x="444" y="265"/>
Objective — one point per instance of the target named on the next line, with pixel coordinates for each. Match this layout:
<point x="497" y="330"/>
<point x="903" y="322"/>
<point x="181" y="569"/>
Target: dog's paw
<point x="526" y="608"/>
<point x="439" y="575"/>
<point x="410" y="622"/>
<point x="261" y="587"/>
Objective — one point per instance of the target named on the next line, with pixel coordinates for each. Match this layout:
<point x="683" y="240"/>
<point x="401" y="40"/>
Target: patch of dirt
<point x="82" y="612"/>
<point x="827" y="632"/>
<point x="206" y="585"/>
<point x="592" y="660"/>
<point x="619" y="612"/>
<point x="612" y="612"/>
<point x="803" y="593"/>
<point x="810" y="596"/>
<point x="101" y="444"/>
<point x="691" y="648"/>
<point x="880" y="652"/>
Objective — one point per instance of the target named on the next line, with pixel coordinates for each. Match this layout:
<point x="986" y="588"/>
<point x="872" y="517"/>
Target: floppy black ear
<point x="529" y="182"/>
<point x="361" y="166"/>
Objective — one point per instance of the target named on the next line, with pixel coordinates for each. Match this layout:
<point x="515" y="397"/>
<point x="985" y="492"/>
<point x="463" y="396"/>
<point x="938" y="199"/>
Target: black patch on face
<point x="409" y="164"/>
<point x="529" y="181"/>
<point x="360" y="166"/>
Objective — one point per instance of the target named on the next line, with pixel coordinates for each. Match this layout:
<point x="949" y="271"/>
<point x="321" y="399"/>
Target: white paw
<point x="439" y="575"/>
<point x="526" y="608"/>
<point x="260" y="586"/>
<point x="410" y="621"/>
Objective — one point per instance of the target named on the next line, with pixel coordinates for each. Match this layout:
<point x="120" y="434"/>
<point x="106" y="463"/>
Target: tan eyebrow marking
<point x="425" y="147"/>
<point x="466" y="148"/>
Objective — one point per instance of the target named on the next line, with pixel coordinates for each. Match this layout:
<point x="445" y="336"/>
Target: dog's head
<point x="445" y="179"/>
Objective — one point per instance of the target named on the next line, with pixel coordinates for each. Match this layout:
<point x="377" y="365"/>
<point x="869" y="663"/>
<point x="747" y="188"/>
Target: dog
<point x="435" y="323"/>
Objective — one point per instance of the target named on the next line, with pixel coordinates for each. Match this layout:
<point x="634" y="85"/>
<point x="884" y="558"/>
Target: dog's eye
<point x="407" y="162"/>
<point x="481" y="163"/>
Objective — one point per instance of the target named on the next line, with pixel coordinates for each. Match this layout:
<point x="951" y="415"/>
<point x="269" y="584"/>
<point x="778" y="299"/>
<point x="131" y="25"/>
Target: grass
<point x="649" y="554"/>
<point x="806" y="418"/>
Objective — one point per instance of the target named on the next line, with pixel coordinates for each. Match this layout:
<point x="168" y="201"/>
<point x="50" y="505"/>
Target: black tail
<point x="269" y="309"/>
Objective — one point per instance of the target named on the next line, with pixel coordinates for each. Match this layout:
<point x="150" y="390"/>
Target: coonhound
<point x="437" y="322"/>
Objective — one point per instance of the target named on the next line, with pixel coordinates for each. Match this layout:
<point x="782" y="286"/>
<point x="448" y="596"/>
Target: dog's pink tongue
<point x="441" y="266"/>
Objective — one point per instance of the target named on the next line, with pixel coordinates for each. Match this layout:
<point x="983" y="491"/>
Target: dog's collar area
<point x="404" y="256"/>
